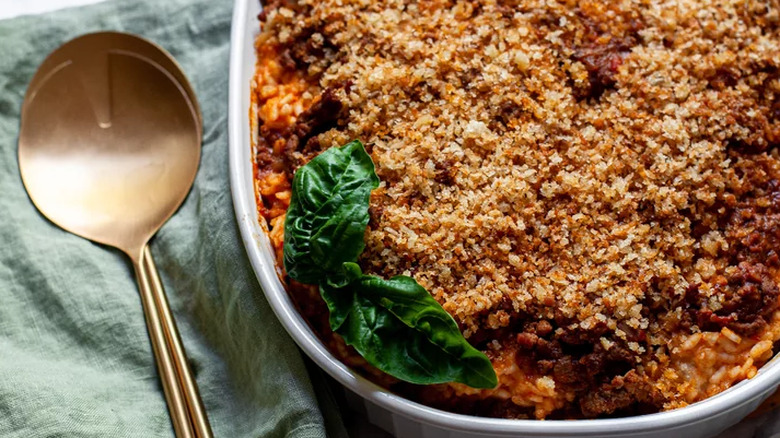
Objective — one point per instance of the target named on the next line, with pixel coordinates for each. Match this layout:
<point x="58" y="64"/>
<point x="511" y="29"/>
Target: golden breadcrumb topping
<point x="590" y="188"/>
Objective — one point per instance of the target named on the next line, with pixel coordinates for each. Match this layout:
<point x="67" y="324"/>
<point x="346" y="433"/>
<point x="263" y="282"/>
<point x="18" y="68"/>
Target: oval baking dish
<point x="394" y="413"/>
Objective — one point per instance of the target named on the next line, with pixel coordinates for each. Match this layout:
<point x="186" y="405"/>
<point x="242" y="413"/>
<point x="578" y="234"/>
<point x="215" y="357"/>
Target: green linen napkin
<point x="75" y="359"/>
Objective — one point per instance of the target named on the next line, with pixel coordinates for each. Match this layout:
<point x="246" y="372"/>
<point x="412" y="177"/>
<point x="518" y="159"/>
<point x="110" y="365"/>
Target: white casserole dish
<point x="393" y="413"/>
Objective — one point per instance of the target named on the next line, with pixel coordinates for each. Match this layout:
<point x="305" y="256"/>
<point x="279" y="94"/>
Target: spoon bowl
<point x="110" y="140"/>
<point x="108" y="149"/>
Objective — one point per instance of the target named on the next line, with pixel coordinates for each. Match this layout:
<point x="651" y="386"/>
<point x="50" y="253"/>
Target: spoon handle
<point x="197" y="414"/>
<point x="177" y="405"/>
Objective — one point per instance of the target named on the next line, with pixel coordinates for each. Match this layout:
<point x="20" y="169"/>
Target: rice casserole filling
<point x="590" y="188"/>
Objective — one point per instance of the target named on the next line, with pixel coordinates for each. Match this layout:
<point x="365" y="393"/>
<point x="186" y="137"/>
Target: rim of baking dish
<point x="263" y="262"/>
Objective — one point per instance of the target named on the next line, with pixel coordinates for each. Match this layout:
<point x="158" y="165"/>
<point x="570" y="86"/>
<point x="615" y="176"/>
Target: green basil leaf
<point x="399" y="328"/>
<point x="328" y="214"/>
<point x="340" y="303"/>
<point x="394" y="324"/>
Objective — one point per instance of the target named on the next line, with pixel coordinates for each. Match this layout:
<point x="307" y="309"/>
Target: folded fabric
<point x="75" y="358"/>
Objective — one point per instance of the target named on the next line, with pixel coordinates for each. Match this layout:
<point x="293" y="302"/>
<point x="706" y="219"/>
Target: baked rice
<point x="591" y="188"/>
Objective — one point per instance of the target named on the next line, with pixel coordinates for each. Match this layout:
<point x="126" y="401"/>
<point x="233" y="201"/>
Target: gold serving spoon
<point x="108" y="150"/>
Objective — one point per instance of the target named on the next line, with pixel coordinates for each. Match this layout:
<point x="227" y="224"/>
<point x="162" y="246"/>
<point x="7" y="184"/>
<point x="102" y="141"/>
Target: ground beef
<point x="301" y="137"/>
<point x="630" y="393"/>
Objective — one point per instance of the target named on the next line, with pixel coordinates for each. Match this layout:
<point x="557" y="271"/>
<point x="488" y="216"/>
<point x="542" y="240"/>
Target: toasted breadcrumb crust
<point x="590" y="188"/>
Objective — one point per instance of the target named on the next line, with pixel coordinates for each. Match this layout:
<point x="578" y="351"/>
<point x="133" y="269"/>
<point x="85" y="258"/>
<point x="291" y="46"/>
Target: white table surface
<point x="763" y="427"/>
<point x="13" y="8"/>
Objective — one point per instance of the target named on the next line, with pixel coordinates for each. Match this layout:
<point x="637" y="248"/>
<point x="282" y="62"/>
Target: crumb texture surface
<point x="590" y="188"/>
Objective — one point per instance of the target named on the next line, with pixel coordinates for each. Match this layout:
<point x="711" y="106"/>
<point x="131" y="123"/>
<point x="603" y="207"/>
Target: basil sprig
<point x="394" y="324"/>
